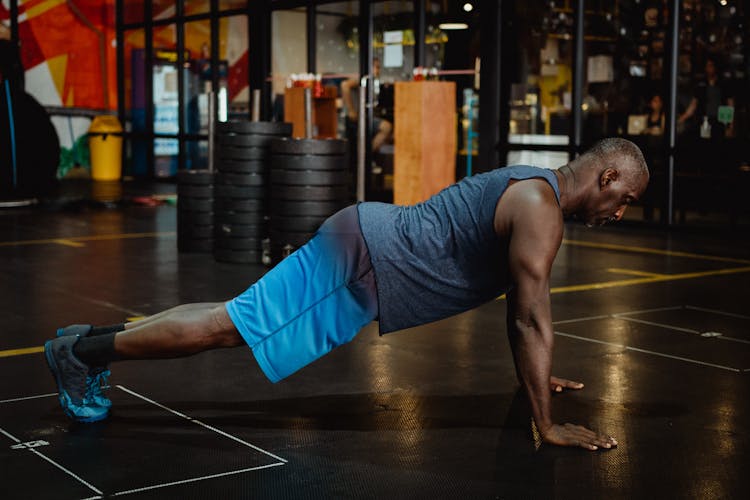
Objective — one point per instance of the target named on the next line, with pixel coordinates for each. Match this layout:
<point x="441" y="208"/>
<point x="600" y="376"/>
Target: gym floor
<point x="656" y="324"/>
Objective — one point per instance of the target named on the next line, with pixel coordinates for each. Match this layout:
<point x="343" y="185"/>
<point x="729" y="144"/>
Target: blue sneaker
<point x="98" y="376"/>
<point x="71" y="376"/>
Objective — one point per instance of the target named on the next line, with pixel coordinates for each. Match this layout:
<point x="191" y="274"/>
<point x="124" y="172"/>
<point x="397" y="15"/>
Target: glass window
<point x="196" y="154"/>
<point x="393" y="46"/>
<point x="135" y="102"/>
<point x="288" y="52"/>
<point x="233" y="53"/>
<point x="163" y="9"/>
<point x="712" y="161"/>
<point x="337" y="60"/>
<point x="198" y="78"/>
<point x="452" y="38"/>
<point x="132" y="12"/>
<point x="539" y="67"/>
<point x="232" y="4"/>
<point x="337" y="38"/>
<point x="166" y="101"/>
<point x="192" y="7"/>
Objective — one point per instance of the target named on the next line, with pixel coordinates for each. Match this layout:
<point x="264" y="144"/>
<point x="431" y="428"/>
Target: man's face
<point x="616" y="192"/>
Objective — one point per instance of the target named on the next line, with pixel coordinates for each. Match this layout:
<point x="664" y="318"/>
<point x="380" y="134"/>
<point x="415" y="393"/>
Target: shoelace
<point x="95" y="384"/>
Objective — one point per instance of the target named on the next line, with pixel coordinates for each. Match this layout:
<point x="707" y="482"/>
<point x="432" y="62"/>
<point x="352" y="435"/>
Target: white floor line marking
<point x="585" y="318"/>
<point x="656" y="309"/>
<point x="196" y="479"/>
<point x="605" y="316"/>
<point x="733" y="339"/>
<point x="198" y="422"/>
<point x="679" y="329"/>
<point x="98" y="302"/>
<point x="11" y="436"/>
<point x="71" y="474"/>
<point x="716" y="311"/>
<point x="636" y="349"/>
<point x="654" y="323"/>
<point x="29" y="397"/>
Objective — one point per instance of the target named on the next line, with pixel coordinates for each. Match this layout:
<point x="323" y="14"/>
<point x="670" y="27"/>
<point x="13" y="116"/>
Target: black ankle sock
<point x="103" y="330"/>
<point x="98" y="350"/>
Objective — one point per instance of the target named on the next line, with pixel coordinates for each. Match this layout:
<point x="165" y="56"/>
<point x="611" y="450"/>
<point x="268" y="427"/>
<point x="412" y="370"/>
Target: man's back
<point x="440" y="257"/>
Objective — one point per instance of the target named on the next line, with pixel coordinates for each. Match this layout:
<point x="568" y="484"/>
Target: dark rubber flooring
<point x="656" y="324"/>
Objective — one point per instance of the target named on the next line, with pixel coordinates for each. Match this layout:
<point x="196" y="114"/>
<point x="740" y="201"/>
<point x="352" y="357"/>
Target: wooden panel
<point x="324" y="112"/>
<point x="424" y="140"/>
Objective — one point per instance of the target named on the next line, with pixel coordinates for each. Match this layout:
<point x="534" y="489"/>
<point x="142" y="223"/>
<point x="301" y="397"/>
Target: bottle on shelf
<point x="705" y="128"/>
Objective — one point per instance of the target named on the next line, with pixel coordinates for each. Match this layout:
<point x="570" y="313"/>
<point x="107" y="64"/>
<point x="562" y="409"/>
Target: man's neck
<point x="568" y="183"/>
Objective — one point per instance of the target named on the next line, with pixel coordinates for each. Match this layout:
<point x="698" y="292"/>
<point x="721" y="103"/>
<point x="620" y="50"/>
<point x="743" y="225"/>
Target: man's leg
<point x="90" y="330"/>
<point x="181" y="331"/>
<point x="77" y="362"/>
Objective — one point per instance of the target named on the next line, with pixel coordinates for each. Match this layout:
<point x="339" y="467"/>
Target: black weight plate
<point x="242" y="167"/>
<point x="241" y="179"/>
<point x="240" y="218"/>
<point x="309" y="146"/>
<point x="202" y="245"/>
<point x="206" y="191"/>
<point x="308" y="193"/>
<point x="259" y="128"/>
<point x="308" y="162"/>
<point x="281" y="238"/>
<point x="238" y="256"/>
<point x="195" y="177"/>
<point x="194" y="218"/>
<point x="224" y="205"/>
<point x="245" y="192"/>
<point x="232" y="153"/>
<point x="310" y="178"/>
<point x="296" y="224"/>
<point x="246" y="141"/>
<point x="193" y="232"/>
<point x="240" y="230"/>
<point x="190" y="204"/>
<point x="310" y="208"/>
<point x="278" y="254"/>
<point x="232" y="243"/>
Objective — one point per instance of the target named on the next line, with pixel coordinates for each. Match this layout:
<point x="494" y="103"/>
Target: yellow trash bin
<point x="105" y="145"/>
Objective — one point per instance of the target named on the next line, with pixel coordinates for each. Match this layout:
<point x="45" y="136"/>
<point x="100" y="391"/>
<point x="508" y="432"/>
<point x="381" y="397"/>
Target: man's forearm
<point x="533" y="355"/>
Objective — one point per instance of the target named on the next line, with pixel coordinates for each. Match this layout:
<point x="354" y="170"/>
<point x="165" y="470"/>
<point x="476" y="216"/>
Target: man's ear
<point x="608" y="176"/>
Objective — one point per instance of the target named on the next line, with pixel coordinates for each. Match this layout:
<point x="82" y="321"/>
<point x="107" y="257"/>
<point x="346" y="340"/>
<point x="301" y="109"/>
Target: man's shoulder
<point x="529" y="203"/>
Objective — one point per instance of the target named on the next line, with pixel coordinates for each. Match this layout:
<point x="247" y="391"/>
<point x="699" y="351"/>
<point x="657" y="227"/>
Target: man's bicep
<point x="535" y="239"/>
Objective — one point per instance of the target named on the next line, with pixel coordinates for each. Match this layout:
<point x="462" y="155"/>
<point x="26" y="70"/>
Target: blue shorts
<point x="314" y="300"/>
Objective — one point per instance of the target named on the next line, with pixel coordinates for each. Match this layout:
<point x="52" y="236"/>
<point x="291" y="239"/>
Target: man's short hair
<point x="615" y="151"/>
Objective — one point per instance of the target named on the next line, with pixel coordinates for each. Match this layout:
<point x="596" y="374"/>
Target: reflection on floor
<point x="654" y="323"/>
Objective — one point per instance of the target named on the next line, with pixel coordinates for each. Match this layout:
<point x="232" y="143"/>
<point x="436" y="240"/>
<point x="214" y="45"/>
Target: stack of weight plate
<point x="243" y="149"/>
<point x="195" y="217"/>
<point x="310" y="181"/>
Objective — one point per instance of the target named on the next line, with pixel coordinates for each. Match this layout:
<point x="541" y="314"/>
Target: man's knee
<point x="223" y="331"/>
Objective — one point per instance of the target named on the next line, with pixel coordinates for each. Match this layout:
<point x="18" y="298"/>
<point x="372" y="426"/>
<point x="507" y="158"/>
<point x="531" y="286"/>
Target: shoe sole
<point x="52" y="365"/>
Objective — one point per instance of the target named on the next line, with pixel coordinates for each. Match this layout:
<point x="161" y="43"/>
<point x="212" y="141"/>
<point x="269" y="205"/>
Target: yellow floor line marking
<point x="21" y="352"/>
<point x="560" y="289"/>
<point x="634" y="272"/>
<point x="653" y="279"/>
<point x="69" y="243"/>
<point x="655" y="251"/>
<point x="135" y="318"/>
<point x="73" y="240"/>
<point x="642" y="281"/>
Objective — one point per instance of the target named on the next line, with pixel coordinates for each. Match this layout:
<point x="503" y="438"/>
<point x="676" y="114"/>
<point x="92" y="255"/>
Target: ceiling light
<point x="468" y="7"/>
<point x="453" y="26"/>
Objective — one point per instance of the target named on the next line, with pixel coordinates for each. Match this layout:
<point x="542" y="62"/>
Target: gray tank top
<point x="441" y="257"/>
